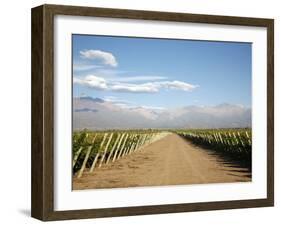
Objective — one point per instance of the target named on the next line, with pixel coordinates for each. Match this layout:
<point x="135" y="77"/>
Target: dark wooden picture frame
<point x="42" y="203"/>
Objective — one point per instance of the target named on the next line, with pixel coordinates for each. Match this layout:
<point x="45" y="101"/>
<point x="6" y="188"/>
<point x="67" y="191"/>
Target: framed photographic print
<point x="141" y="112"/>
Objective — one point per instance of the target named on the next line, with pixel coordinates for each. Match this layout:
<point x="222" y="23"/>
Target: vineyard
<point x="94" y="149"/>
<point x="236" y="143"/>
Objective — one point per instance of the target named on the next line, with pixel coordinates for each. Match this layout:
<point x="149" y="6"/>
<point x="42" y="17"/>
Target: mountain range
<point x="100" y="114"/>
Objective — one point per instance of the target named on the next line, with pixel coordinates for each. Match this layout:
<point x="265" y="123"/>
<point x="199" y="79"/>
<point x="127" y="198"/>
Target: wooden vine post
<point x="97" y="155"/>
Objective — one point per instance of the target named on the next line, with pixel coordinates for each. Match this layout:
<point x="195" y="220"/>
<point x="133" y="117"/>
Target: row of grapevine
<point x="94" y="149"/>
<point x="237" y="143"/>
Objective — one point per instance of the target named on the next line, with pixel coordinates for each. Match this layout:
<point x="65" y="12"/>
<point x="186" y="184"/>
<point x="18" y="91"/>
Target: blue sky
<point x="162" y="73"/>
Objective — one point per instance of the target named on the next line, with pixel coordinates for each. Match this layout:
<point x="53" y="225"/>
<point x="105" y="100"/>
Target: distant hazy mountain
<point x="98" y="114"/>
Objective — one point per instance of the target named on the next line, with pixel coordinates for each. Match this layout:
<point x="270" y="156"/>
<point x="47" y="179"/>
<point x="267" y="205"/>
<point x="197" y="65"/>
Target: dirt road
<point x="169" y="161"/>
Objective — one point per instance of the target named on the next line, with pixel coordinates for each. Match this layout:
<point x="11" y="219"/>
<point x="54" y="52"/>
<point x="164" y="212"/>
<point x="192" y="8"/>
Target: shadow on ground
<point x="25" y="212"/>
<point x="233" y="163"/>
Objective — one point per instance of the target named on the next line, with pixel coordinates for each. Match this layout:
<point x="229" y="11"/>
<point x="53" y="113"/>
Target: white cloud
<point x="152" y="87"/>
<point x="122" y="105"/>
<point x="130" y="105"/>
<point x="118" y="101"/>
<point x="92" y="82"/>
<point x="153" y="108"/>
<point x="135" y="88"/>
<point x="110" y="98"/>
<point x="105" y="57"/>
<point x="149" y="87"/>
<point x="178" y="85"/>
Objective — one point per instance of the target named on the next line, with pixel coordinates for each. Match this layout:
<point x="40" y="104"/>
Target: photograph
<point x="143" y="111"/>
<point x="160" y="112"/>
